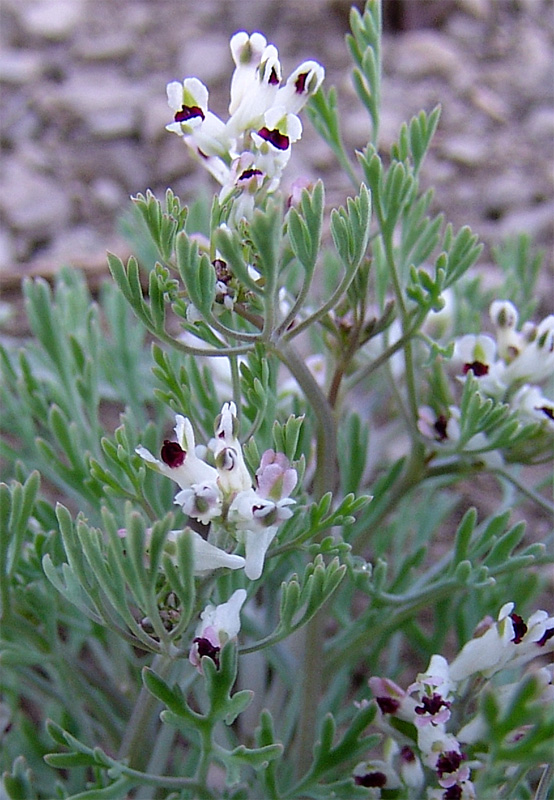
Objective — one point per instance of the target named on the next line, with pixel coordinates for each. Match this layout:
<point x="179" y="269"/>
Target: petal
<point x="256" y="546"/>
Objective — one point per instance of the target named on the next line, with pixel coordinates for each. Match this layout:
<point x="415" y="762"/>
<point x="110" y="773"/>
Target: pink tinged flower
<point x="451" y="769"/>
<point x="218" y="625"/>
<point x="301" y="84"/>
<point x="276" y="478"/>
<point x="178" y="458"/>
<point x="392" y="699"/>
<point x="207" y="557"/>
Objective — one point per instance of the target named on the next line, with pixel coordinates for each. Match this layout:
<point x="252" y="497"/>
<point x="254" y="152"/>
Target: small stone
<point x="465" y="150"/>
<point x="18" y="67"/>
<point x="7" y="251"/>
<point x="108" y="194"/>
<point x="109" y="47"/>
<point x="55" y="20"/>
<point x="33" y="202"/>
<point x="424" y="52"/>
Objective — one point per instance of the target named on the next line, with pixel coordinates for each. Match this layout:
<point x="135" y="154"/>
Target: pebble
<point x="422" y="53"/>
<point x="32" y="202"/>
<point x="55" y="20"/>
<point x="18" y="67"/>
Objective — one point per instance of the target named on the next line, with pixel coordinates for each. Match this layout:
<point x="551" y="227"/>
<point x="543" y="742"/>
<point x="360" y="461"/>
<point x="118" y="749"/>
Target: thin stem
<point x="542" y="502"/>
<point x="136" y="736"/>
<point x="389" y="351"/>
<point x="324" y="481"/>
<point x="545" y="782"/>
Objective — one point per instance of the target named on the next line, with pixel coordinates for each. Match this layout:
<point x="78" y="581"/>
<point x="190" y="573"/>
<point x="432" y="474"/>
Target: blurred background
<point x="83" y="110"/>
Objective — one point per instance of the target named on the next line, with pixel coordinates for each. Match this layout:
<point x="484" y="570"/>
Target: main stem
<point x="325" y="480"/>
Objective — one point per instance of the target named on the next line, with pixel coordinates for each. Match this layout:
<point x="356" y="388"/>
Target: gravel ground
<point x="83" y="110"/>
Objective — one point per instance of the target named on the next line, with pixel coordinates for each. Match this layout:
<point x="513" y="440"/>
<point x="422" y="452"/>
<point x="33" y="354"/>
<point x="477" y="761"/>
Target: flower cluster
<point x="508" y="367"/>
<point x="246" y="154"/>
<point x="221" y="494"/>
<point x="427" y="703"/>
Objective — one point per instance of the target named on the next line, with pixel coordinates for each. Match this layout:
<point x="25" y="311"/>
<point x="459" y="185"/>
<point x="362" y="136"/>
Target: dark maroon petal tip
<point x="249" y="173"/>
<point x="478" y="368"/>
<point x="449" y="762"/>
<point x="274" y="78"/>
<point x="206" y="648"/>
<point x="440" y="426"/>
<point x="275" y="137"/>
<point x="407" y="754"/>
<point x="431" y="705"/>
<point x="372" y="779"/>
<point x="547" y="411"/>
<point x="520" y="628"/>
<point x="173" y="454"/>
<point x="388" y="705"/>
<point x="300" y="83"/>
<point x="188" y="112"/>
<point x="548" y="634"/>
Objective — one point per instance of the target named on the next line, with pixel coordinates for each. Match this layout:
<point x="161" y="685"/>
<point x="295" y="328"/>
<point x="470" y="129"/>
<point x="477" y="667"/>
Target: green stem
<point x="136" y="739"/>
<point x="325" y="480"/>
<point x="542" y="502"/>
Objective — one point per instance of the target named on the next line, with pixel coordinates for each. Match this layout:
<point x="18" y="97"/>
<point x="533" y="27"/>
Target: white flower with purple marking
<point x="178" y="458"/>
<point x="218" y="625"/>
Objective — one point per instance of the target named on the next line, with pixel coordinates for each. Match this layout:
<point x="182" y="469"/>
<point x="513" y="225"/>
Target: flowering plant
<point x="232" y="609"/>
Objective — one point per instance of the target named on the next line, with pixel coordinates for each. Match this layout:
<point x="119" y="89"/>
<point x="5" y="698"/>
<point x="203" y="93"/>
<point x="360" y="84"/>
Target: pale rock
<point x="108" y="194"/>
<point x="425" y="52"/>
<point x="18" y="67"/>
<point x="108" y="104"/>
<point x="110" y="46"/>
<point x="55" y="20"/>
<point x="466" y="150"/>
<point x="33" y="202"/>
<point x="7" y="251"/>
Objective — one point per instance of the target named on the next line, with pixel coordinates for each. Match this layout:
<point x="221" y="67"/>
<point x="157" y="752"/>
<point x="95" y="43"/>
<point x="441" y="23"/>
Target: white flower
<point x="510" y="640"/>
<point x="301" y="84"/>
<point x="179" y="460"/>
<point x="247" y="53"/>
<point x="258" y="513"/>
<point x="376" y="774"/>
<point x="218" y="624"/>
<point x="207" y="557"/>
<point x="477" y="354"/>
<point x="191" y="118"/>
<point x="504" y="316"/>
<point x="530" y="402"/>
<point x="201" y="501"/>
<point x="233" y="475"/>
<point x="535" y="362"/>
<point x="433" y="689"/>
